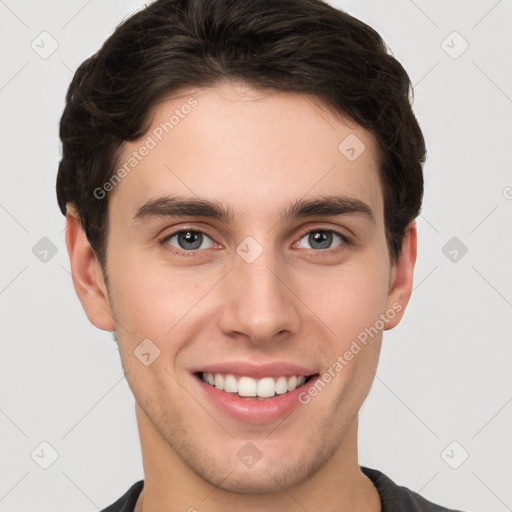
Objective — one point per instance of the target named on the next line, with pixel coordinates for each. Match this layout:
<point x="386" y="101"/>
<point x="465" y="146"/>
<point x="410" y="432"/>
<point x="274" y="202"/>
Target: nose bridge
<point x="258" y="303"/>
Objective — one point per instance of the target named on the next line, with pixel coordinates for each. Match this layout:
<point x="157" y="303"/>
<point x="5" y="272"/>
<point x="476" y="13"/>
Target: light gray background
<point x="444" y="374"/>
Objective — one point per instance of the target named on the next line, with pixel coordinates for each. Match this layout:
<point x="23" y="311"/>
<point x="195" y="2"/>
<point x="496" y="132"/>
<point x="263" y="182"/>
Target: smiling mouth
<point x="249" y="388"/>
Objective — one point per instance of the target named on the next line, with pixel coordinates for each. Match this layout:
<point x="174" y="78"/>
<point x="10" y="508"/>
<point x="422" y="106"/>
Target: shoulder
<point x="126" y="503"/>
<point x="396" y="498"/>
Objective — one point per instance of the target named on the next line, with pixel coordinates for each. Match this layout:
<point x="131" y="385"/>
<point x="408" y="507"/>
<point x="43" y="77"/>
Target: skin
<point x="256" y="152"/>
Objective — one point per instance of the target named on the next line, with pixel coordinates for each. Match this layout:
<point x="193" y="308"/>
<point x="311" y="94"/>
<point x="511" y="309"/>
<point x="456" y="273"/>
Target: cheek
<point x="153" y="300"/>
<point x="350" y="304"/>
<point x="347" y="299"/>
<point x="149" y="301"/>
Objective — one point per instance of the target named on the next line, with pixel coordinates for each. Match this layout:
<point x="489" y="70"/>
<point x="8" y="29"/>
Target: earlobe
<point x="87" y="275"/>
<point x="402" y="278"/>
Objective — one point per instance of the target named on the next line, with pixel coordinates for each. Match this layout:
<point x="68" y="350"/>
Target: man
<point x="240" y="182"/>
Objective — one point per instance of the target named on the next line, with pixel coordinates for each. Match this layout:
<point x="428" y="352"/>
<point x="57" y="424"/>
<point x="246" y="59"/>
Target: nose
<point x="258" y="300"/>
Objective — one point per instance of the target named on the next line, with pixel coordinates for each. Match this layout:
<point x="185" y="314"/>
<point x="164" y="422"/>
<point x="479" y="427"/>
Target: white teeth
<point x="230" y="384"/>
<point x="281" y="385"/>
<point x="249" y="387"/>
<point x="266" y="387"/>
<point x="292" y="383"/>
<point x="219" y="381"/>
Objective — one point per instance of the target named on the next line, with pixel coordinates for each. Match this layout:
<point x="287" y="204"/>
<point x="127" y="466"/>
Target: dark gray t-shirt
<point x="393" y="498"/>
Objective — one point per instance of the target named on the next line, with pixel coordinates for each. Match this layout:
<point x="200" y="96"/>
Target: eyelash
<point x="188" y="254"/>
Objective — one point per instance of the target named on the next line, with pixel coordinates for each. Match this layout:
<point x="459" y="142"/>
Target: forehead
<point x="247" y="148"/>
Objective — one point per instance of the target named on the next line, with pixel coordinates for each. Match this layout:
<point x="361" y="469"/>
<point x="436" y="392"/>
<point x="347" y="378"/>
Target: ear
<point x="400" y="283"/>
<point x="87" y="274"/>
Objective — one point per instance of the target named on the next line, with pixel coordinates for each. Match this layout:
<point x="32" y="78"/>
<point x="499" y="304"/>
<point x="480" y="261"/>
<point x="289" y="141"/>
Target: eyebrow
<point x="181" y="206"/>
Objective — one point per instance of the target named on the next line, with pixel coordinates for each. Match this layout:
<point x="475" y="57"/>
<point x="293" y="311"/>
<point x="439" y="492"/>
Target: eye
<point x="321" y="239"/>
<point x="188" y="240"/>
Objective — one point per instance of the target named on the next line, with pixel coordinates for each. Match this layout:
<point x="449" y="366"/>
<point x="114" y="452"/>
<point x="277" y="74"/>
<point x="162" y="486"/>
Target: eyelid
<point x="323" y="227"/>
<point x="177" y="230"/>
<point x="311" y="228"/>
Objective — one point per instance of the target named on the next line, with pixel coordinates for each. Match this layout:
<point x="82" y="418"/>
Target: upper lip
<point x="257" y="371"/>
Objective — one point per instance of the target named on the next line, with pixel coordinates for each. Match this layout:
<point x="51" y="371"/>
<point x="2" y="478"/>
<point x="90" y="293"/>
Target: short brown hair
<point x="301" y="46"/>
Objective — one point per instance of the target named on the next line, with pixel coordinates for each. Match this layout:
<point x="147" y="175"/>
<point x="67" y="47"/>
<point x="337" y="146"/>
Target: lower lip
<point x="253" y="410"/>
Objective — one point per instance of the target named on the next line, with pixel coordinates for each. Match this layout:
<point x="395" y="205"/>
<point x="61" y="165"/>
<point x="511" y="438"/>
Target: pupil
<point x="323" y="238"/>
<point x="190" y="240"/>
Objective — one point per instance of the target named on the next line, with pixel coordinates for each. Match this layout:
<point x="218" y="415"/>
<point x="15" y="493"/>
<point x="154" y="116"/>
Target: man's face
<point x="259" y="294"/>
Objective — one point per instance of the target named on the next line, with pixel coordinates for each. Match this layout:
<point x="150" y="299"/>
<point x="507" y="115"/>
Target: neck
<point x="170" y="485"/>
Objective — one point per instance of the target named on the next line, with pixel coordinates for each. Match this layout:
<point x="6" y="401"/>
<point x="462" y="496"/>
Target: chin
<point x="265" y="477"/>
<point x="252" y="481"/>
